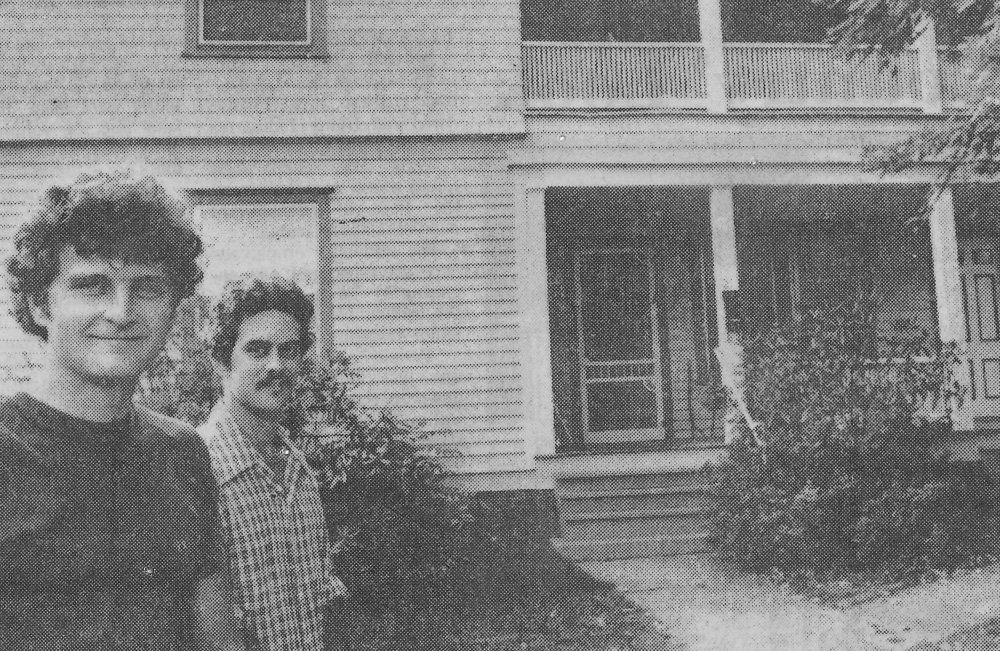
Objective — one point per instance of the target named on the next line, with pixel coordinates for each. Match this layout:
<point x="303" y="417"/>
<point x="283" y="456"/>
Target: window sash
<point x="303" y="43"/>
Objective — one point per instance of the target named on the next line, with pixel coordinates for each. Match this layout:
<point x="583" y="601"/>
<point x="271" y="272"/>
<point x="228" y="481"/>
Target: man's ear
<point x="38" y="304"/>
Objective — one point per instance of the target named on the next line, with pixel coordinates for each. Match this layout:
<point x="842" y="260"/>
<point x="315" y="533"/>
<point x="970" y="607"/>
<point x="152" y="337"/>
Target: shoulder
<point x="20" y="441"/>
<point x="173" y="434"/>
<point x="160" y="426"/>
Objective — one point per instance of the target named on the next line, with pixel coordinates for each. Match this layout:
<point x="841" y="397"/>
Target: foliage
<point x="404" y="530"/>
<point x="428" y="567"/>
<point x="848" y="477"/>
<point x="965" y="142"/>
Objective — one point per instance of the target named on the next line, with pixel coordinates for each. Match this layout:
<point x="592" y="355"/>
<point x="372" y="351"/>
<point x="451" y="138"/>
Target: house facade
<point x="530" y="224"/>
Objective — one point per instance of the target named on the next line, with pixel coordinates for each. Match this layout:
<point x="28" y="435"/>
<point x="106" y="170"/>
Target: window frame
<point x="315" y="46"/>
<point x="322" y="236"/>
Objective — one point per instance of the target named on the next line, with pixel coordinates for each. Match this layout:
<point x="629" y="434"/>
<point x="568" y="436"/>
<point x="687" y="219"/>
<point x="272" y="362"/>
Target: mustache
<point x="274" y="377"/>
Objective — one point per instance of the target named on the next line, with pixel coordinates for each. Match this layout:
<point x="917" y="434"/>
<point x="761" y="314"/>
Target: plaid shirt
<point x="280" y="552"/>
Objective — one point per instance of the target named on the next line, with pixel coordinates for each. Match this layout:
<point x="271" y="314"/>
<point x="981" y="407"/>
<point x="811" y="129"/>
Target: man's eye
<point x="257" y="349"/>
<point x="90" y="286"/>
<point x="151" y="290"/>
<point x="290" y="350"/>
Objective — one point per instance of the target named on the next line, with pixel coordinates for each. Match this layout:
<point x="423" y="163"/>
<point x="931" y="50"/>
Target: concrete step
<point x="636" y="524"/>
<point x="632" y="484"/>
<point x="618" y="548"/>
<point x="587" y="502"/>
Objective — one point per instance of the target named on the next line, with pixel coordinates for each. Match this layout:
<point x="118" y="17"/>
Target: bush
<point x="848" y="477"/>
<point x="429" y="568"/>
<point x="404" y="531"/>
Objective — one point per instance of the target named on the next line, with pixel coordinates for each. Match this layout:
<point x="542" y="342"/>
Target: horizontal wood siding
<point x="86" y="69"/>
<point x="423" y="267"/>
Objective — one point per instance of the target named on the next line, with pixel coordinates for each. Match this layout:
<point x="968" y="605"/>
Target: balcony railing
<point x="757" y="75"/>
<point x="614" y="75"/>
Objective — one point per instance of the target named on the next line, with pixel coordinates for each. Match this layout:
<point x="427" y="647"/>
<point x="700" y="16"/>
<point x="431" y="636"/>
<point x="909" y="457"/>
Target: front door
<point x="978" y="263"/>
<point x="621" y="383"/>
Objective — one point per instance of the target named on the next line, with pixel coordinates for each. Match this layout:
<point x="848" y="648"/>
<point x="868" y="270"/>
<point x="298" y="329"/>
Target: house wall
<point x="423" y="266"/>
<point x="76" y="69"/>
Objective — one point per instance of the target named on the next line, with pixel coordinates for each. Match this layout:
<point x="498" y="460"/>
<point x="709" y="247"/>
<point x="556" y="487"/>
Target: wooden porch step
<point x="636" y="524"/>
<point x="635" y="500"/>
<point x="632" y="484"/>
<point x="619" y="549"/>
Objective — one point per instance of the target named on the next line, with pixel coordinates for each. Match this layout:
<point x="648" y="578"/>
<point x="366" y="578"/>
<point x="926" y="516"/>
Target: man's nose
<point x="274" y="359"/>
<point x="120" y="308"/>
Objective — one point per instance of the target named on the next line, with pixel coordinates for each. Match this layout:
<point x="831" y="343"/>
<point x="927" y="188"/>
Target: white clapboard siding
<point x="424" y="283"/>
<point x="86" y="69"/>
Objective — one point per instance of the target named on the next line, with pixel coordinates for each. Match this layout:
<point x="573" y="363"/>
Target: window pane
<point x="615" y="306"/>
<point x="623" y="405"/>
<point x="256" y="21"/>
<point x="261" y="239"/>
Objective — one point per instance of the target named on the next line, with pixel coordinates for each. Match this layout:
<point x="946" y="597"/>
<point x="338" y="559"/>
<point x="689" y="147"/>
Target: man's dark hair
<point x="111" y="215"/>
<point x="248" y="296"/>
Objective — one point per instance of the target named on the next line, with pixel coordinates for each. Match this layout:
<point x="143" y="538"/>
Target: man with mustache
<point x="108" y="512"/>
<point x="280" y="551"/>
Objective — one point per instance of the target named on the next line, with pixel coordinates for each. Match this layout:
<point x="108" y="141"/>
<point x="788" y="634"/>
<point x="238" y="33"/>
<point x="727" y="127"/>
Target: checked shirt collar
<point x="236" y="456"/>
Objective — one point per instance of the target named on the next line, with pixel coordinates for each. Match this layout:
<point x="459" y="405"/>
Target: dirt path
<point x="711" y="606"/>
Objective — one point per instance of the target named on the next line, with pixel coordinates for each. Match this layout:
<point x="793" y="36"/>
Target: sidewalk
<point x="709" y="605"/>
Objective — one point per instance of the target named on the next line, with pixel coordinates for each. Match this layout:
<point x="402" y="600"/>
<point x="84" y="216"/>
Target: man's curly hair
<point x="112" y="215"/>
<point x="248" y="296"/>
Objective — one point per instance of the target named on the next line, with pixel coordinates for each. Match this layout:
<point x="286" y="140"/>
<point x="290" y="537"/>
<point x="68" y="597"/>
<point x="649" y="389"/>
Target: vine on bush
<point x="849" y="477"/>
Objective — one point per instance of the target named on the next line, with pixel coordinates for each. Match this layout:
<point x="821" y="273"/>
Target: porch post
<point x="533" y="291"/>
<point x="710" y="24"/>
<point x="930" y="75"/>
<point x="948" y="287"/>
<point x="947" y="281"/>
<point x="724" y="268"/>
<point x="726" y="276"/>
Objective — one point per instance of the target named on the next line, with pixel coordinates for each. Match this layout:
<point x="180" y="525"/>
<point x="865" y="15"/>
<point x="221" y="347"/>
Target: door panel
<point x="978" y="266"/>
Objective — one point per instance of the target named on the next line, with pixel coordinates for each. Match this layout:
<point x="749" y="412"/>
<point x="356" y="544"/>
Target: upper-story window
<point x="256" y="28"/>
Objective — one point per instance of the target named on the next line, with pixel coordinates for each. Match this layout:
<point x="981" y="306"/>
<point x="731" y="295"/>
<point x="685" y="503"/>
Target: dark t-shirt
<point x="104" y="529"/>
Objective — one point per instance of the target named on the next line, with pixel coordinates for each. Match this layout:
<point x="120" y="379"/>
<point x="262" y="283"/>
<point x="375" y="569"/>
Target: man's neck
<point x="100" y="402"/>
<point x="258" y="428"/>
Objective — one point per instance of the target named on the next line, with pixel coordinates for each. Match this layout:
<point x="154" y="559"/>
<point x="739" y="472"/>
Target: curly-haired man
<point x="108" y="512"/>
<point x="280" y="551"/>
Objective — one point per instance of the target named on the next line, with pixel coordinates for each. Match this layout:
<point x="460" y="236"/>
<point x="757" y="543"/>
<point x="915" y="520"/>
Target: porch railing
<point x="613" y="75"/>
<point x="757" y="75"/>
<point x="810" y="75"/>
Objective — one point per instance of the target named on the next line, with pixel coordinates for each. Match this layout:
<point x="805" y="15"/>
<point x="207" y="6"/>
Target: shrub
<point x="404" y="531"/>
<point x="848" y="477"/>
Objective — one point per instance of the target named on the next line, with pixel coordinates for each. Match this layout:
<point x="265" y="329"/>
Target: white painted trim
<point x="947" y="278"/>
<point x="601" y="103"/>
<point x="930" y="74"/>
<point x="663" y="173"/>
<point x="948" y="291"/>
<point x="710" y="23"/>
<point x="532" y="292"/>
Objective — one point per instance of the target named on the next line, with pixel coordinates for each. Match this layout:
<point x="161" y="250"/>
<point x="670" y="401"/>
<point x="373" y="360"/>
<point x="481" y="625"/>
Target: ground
<point x="707" y="605"/>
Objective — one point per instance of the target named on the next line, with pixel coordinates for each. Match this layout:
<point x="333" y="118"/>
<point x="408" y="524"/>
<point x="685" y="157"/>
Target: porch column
<point x="533" y="308"/>
<point x="948" y="287"/>
<point x="724" y="268"/>
<point x="930" y="75"/>
<point x="727" y="278"/>
<point x="710" y="24"/>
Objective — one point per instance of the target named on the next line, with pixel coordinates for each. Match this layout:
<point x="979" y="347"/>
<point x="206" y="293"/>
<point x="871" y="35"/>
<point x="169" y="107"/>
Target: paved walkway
<point x="710" y="606"/>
